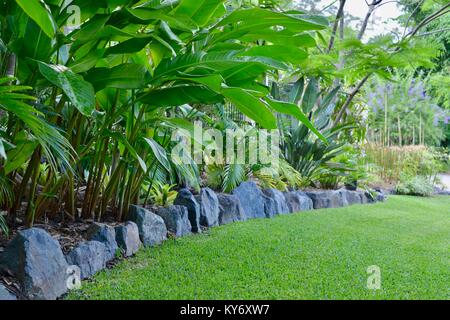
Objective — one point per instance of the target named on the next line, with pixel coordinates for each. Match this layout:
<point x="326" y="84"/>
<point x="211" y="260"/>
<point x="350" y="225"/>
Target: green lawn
<point x="321" y="254"/>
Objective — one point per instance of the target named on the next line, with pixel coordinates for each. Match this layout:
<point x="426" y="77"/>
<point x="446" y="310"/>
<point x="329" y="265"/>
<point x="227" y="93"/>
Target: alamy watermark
<point x="374" y="277"/>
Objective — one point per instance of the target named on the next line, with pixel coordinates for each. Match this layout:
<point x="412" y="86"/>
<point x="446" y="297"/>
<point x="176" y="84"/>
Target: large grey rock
<point x="187" y="199"/>
<point x="326" y="199"/>
<point x="105" y="234"/>
<point x="251" y="199"/>
<point x="89" y="256"/>
<point x="209" y="207"/>
<point x="270" y="207"/>
<point x="176" y="219"/>
<point x="350" y="197"/>
<point x="363" y="197"/>
<point x="381" y="195"/>
<point x="230" y="209"/>
<point x="152" y="229"/>
<point x="37" y="261"/>
<point x="279" y="200"/>
<point x="5" y="295"/>
<point x="298" y="201"/>
<point x="127" y="237"/>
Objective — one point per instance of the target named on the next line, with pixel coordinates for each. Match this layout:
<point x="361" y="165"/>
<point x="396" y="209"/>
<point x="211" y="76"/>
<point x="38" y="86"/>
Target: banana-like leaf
<point x="294" y="110"/>
<point x="147" y="15"/>
<point x="251" y="106"/>
<point x="20" y="154"/>
<point x="295" y="95"/>
<point x="287" y="54"/>
<point x="80" y="92"/>
<point x="124" y="76"/>
<point x="310" y="96"/>
<point x="159" y="152"/>
<point x="179" y="95"/>
<point x="262" y="17"/>
<point x="250" y="20"/>
<point x="40" y="15"/>
<point x="232" y="68"/>
<point x="283" y="37"/>
<point x="200" y="11"/>
<point x="129" y="46"/>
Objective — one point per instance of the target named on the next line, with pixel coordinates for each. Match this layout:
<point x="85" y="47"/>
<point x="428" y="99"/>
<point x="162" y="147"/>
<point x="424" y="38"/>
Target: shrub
<point x="415" y="186"/>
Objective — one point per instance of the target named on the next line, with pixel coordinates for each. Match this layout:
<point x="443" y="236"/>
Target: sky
<point x="380" y="23"/>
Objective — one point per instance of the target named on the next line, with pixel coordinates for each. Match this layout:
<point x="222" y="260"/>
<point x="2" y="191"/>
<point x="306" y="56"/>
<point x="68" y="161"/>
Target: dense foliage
<point x="91" y="93"/>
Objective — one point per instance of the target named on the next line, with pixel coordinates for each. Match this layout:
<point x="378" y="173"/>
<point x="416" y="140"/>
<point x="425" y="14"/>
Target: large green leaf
<point x="254" y="20"/>
<point x="20" y="154"/>
<point x="231" y="67"/>
<point x="201" y="11"/>
<point x="80" y="92"/>
<point x="251" y="106"/>
<point x="159" y="152"/>
<point x="297" y="91"/>
<point x="147" y="15"/>
<point x="288" y="54"/>
<point x="124" y="76"/>
<point x="283" y="37"/>
<point x="129" y="46"/>
<point x="294" y="110"/>
<point x="40" y="15"/>
<point x="179" y="95"/>
<point x="86" y="62"/>
<point x="311" y="95"/>
<point x="259" y="16"/>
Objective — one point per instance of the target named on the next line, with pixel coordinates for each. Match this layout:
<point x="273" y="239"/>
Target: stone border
<point x="44" y="273"/>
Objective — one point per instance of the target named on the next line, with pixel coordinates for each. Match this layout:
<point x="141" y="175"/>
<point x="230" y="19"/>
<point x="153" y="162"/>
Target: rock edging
<point x="37" y="261"/>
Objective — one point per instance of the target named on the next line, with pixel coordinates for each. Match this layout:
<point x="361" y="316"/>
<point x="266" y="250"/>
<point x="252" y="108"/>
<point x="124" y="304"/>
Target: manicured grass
<point x="321" y="254"/>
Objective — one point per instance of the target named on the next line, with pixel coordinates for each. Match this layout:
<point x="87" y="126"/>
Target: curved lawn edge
<point x="320" y="254"/>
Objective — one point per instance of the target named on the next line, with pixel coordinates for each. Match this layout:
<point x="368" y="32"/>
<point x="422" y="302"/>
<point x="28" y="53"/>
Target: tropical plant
<point x="163" y="195"/>
<point x="111" y="90"/>
<point x="300" y="147"/>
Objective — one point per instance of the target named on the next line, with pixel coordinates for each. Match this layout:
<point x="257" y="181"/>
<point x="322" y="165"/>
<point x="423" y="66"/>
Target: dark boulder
<point x="230" y="209"/>
<point x="363" y="197"/>
<point x="279" y="200"/>
<point x="37" y="261"/>
<point x="127" y="237"/>
<point x="251" y="199"/>
<point x="187" y="199"/>
<point x="270" y="207"/>
<point x="89" y="256"/>
<point x="209" y="207"/>
<point x="380" y="196"/>
<point x="176" y="219"/>
<point x="297" y="201"/>
<point x="152" y="229"/>
<point x="326" y="199"/>
<point x="105" y="234"/>
<point x="350" y="197"/>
